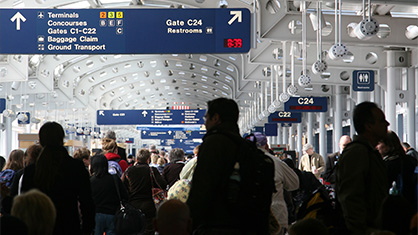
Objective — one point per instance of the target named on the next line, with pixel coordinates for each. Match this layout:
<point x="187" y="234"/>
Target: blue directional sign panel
<point x="150" y="117"/>
<point x="285" y="117"/>
<point x="186" y="145"/>
<point x="27" y="118"/>
<point x="270" y="129"/>
<point x="363" y="80"/>
<point x="172" y="134"/>
<point x="124" y="31"/>
<point x="306" y="104"/>
<point x="2" y="105"/>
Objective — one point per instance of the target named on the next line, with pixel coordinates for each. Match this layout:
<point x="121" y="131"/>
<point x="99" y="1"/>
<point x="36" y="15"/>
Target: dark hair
<point x="32" y="153"/>
<point x="143" y="155"/>
<point x="391" y="140"/>
<point x="227" y="109"/>
<point x="363" y="114"/>
<point x="99" y="165"/>
<point x="51" y="137"/>
<point x="289" y="162"/>
<point x="2" y="162"/>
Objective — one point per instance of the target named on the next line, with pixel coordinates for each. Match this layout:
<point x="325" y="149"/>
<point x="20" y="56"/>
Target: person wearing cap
<point x="284" y="178"/>
<point x="311" y="161"/>
<point x="121" y="151"/>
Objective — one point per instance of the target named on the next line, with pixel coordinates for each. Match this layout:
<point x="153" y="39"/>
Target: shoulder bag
<point x="128" y="219"/>
<point x="158" y="194"/>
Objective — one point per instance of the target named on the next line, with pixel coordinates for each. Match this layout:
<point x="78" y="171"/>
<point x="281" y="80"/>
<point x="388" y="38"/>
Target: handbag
<point x="158" y="194"/>
<point x="128" y="219"/>
<point x="181" y="189"/>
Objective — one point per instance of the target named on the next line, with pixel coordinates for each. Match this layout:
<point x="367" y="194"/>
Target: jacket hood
<point x="112" y="156"/>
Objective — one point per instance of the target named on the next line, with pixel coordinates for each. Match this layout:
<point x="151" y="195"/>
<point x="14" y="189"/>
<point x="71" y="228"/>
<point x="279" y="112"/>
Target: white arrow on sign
<point x="144" y="113"/>
<point x="18" y="17"/>
<point x="101" y="113"/>
<point x="237" y="15"/>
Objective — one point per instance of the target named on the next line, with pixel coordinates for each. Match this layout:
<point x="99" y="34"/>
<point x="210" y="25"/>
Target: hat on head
<point x="111" y="135"/>
<point x="260" y="138"/>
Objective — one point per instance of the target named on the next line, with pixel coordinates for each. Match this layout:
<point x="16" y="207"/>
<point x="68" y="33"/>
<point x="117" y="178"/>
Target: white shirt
<point x="284" y="178"/>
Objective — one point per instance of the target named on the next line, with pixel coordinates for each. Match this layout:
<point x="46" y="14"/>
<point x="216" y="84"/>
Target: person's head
<point x="261" y="140"/>
<point x="36" y="210"/>
<point x="99" y="165"/>
<point x="390" y="145"/>
<point x="308" y="149"/>
<point x="51" y="134"/>
<point x="161" y="161"/>
<point x="369" y="120"/>
<point x="51" y="138"/>
<point x="406" y="146"/>
<point x="176" y="154"/>
<point x="110" y="135"/>
<point x="344" y="140"/>
<point x="130" y="158"/>
<point x="221" y="110"/>
<point x="196" y="150"/>
<point x="15" y="161"/>
<point x="83" y="154"/>
<point x="109" y="145"/>
<point x="153" y="149"/>
<point x="173" y="218"/>
<point x="142" y="156"/>
<point x="2" y="162"/>
<point x="154" y="158"/>
<point x="308" y="226"/>
<point x="32" y="153"/>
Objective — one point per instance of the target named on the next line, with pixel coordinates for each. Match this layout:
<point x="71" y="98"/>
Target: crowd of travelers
<point x="370" y="184"/>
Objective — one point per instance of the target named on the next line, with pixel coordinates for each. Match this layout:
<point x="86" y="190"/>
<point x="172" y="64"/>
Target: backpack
<point x="114" y="168"/>
<point x="251" y="186"/>
<point x="6" y="176"/>
<point x="320" y="206"/>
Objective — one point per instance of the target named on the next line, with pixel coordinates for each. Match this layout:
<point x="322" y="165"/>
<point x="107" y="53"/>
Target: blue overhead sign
<point x="150" y="117"/>
<point x="124" y="31"/>
<point x="186" y="145"/>
<point x="270" y="129"/>
<point x="172" y="134"/>
<point x="363" y="80"/>
<point x="285" y="117"/>
<point x="2" y="105"/>
<point x="306" y="104"/>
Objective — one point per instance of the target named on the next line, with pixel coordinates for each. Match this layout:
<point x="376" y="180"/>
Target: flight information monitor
<point x="124" y="31"/>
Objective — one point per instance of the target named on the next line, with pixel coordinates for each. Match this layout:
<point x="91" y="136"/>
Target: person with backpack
<point x="284" y="178"/>
<point x="361" y="172"/>
<point x="116" y="164"/>
<point x="14" y="163"/>
<point x="218" y="201"/>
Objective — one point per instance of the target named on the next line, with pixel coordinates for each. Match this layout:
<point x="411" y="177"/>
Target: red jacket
<point x="113" y="157"/>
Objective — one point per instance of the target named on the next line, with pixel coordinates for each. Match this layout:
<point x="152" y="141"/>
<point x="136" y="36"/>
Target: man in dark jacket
<point x="410" y="151"/>
<point x="361" y="172"/>
<point x="207" y="200"/>
<point x="332" y="160"/>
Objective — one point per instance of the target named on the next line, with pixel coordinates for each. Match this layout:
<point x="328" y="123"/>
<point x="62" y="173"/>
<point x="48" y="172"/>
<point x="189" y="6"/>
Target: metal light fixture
<point x="368" y="26"/>
<point x="320" y="65"/>
<point x="338" y="50"/>
<point x="223" y="4"/>
<point x="304" y="80"/>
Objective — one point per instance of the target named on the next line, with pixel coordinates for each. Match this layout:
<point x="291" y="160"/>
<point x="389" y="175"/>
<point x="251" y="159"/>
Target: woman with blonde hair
<point x="110" y="150"/>
<point x="37" y="211"/>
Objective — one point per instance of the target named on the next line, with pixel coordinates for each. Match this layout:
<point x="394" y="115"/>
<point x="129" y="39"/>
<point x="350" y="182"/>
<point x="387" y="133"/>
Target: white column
<point x="322" y="135"/>
<point x="299" y="139"/>
<point x="362" y="96"/>
<point x="390" y="104"/>
<point x="309" y="131"/>
<point x="410" y="122"/>
<point x="279" y="134"/>
<point x="377" y="94"/>
<point x="291" y="138"/>
<point x="338" y="118"/>
<point x="352" y="129"/>
<point x="8" y="135"/>
<point x="285" y="131"/>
